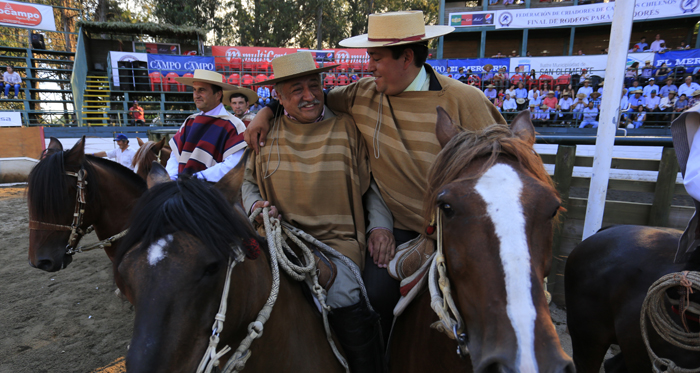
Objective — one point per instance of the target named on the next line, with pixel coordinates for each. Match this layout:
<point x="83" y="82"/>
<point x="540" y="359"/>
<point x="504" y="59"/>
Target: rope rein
<point x="441" y="300"/>
<point x="276" y="233"/>
<point x="654" y="308"/>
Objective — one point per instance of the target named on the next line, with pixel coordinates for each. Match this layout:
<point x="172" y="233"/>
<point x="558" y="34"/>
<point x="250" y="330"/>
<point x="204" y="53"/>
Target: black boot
<point x="359" y="332"/>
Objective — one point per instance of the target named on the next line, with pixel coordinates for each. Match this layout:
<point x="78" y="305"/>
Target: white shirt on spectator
<point x="665" y="103"/>
<point x="566" y="103"/>
<point x="123" y="157"/>
<point x="692" y="170"/>
<point x="586" y="90"/>
<point x="13" y="78"/>
<point x="646" y="92"/>
<point x="656" y="45"/>
<point x="688" y="91"/>
<point x="652" y="102"/>
<point x="624" y="103"/>
<point x="532" y="92"/>
<point x="510" y="104"/>
<point x="490" y="93"/>
<point x="589" y="114"/>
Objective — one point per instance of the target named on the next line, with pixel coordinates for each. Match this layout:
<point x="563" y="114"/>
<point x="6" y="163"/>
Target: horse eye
<point x="211" y="269"/>
<point x="447" y="210"/>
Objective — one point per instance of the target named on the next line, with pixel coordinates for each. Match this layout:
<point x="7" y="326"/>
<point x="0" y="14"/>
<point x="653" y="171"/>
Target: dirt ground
<point x="71" y="321"/>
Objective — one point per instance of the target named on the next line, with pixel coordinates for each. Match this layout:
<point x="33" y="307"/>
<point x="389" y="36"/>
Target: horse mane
<point x="189" y="205"/>
<point x="141" y="156"/>
<point x="469" y="145"/>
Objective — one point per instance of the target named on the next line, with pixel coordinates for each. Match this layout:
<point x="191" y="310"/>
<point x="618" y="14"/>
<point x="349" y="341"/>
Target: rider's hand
<point x="256" y="133"/>
<point x="273" y="211"/>
<point x="381" y="246"/>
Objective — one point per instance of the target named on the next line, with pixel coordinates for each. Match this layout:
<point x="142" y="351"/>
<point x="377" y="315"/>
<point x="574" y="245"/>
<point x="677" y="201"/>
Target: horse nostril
<point x="495" y="367"/>
<point x="569" y="368"/>
<point x="45" y="265"/>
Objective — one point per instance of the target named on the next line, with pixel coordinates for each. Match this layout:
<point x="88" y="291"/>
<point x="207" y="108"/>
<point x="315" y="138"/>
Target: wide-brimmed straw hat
<point x="550" y="92"/>
<point x="395" y="28"/>
<point x="249" y="93"/>
<point x="490" y="86"/>
<point x="292" y="66"/>
<point x="490" y="67"/>
<point x="581" y="95"/>
<point x="696" y="93"/>
<point x="206" y="76"/>
<point x="520" y="101"/>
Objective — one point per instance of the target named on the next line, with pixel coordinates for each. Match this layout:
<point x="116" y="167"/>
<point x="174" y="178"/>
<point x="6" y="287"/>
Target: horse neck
<point x="117" y="198"/>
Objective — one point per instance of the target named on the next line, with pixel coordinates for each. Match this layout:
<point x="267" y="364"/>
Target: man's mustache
<point x="304" y="103"/>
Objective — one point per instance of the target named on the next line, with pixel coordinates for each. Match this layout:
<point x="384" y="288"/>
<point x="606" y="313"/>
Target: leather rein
<point x="76" y="232"/>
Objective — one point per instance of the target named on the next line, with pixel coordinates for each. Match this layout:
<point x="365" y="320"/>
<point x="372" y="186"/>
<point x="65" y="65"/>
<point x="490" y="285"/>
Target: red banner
<point x="225" y="54"/>
<point x="351" y="55"/>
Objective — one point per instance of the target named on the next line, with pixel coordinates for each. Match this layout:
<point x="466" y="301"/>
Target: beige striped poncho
<point x="405" y="146"/>
<point x="318" y="179"/>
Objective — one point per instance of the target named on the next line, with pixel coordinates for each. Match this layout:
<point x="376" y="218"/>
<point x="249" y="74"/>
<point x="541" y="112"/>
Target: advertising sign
<point x="578" y="15"/>
<point x="689" y="57"/>
<point x="476" y="65"/>
<point x="225" y="54"/>
<point x="156" y="48"/>
<point x="471" y="19"/>
<point x="10" y="119"/>
<point x="556" y="66"/>
<point x="16" y="14"/>
<point x="115" y="57"/>
<point x="180" y="65"/>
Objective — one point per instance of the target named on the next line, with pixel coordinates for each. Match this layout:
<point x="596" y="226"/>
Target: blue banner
<point x="476" y="65"/>
<point x="689" y="57"/>
<point x="180" y="65"/>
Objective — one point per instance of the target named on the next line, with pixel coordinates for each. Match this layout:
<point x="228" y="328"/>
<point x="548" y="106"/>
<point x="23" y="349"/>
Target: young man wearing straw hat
<point x="209" y="143"/>
<point x="316" y="174"/>
<point x="240" y="101"/>
<point x="395" y="111"/>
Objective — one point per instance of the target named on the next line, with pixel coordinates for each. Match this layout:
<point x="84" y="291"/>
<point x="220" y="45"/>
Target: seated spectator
<point x="635" y="86"/>
<point x="600" y="87"/>
<point x="667" y="104"/>
<point x="521" y="95"/>
<point x="632" y="73"/>
<point x="664" y="49"/>
<point x="595" y="99"/>
<point x="642" y="44"/>
<point x="256" y="107"/>
<point x="532" y="75"/>
<point x="586" y="89"/>
<point x="531" y="93"/>
<point x="580" y="103"/>
<point x="487" y="74"/>
<point x="490" y="92"/>
<point x="688" y="87"/>
<point x="11" y="79"/>
<point x="568" y="90"/>
<point x="499" y="78"/>
<point x="637" y="119"/>
<point x="636" y="100"/>
<point x="498" y="55"/>
<point x="694" y="100"/>
<point x="459" y="75"/>
<point x="534" y="116"/>
<point x="584" y="76"/>
<point x="263" y="95"/>
<point x="136" y="112"/>
<point x="514" y="54"/>
<point x="580" y="52"/>
<point x="683" y="45"/>
<point x="669" y="87"/>
<point x="656" y="44"/>
<point x="550" y="101"/>
<point x="509" y="105"/>
<point x="545" y="53"/>
<point x="511" y="91"/>
<point x="652" y="86"/>
<point x="647" y="71"/>
<point x="564" y="107"/>
<point x="651" y="102"/>
<point x="590" y="113"/>
<point x="557" y="92"/>
<point x="536" y="100"/>
<point x="498" y="102"/>
<point x="624" y="103"/>
<point x="680" y="106"/>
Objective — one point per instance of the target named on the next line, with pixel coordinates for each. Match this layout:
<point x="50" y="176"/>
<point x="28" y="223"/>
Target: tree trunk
<point x="319" y="22"/>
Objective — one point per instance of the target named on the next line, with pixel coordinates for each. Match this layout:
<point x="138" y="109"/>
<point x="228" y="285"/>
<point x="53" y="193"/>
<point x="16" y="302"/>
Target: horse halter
<point x="76" y="232"/>
<point x="441" y="300"/>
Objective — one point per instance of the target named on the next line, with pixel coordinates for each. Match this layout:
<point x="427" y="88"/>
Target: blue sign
<point x="690" y="57"/>
<point x="180" y="65"/>
<point x="476" y="65"/>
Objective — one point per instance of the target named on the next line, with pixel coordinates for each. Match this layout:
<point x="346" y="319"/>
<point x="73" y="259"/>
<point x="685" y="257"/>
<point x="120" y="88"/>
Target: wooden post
<point x="665" y="185"/>
<point x="563" y="173"/>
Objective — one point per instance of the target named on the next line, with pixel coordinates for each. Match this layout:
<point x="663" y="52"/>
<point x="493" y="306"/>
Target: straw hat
<point x="567" y="93"/>
<point x="581" y="95"/>
<point x="249" y="93"/>
<point x="294" y="65"/>
<point x="696" y="93"/>
<point x="490" y="86"/>
<point x="545" y="52"/>
<point x="550" y="92"/>
<point x="602" y="82"/>
<point x="520" y="101"/>
<point x="488" y="66"/>
<point x="206" y="76"/>
<point x="532" y="105"/>
<point x="395" y="28"/>
<point x="595" y="93"/>
<point x="544" y="107"/>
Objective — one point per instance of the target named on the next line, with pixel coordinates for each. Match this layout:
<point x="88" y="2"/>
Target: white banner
<point x="115" y="57"/>
<point x="16" y="14"/>
<point x="640" y="57"/>
<point x="574" y="15"/>
<point x="10" y="119"/>
<point x="556" y="66"/>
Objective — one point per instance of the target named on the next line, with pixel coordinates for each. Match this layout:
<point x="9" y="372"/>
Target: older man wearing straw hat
<point x="316" y="174"/>
<point x="395" y="112"/>
<point x="209" y="143"/>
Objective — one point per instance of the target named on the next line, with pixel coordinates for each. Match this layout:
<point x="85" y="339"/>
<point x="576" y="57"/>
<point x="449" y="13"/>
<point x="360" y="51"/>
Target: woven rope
<point x="654" y="308"/>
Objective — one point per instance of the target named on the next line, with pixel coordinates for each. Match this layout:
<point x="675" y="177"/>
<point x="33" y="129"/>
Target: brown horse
<point x="149" y="152"/>
<point x="498" y="205"/>
<point x="173" y="266"/>
<point x="52" y="192"/>
<point x="607" y="278"/>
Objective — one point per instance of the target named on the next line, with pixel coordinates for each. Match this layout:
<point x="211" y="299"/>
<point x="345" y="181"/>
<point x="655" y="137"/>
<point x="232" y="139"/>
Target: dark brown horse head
<point x="498" y="208"/>
<point x="149" y="152"/>
<point x="172" y="268"/>
<point x="51" y="198"/>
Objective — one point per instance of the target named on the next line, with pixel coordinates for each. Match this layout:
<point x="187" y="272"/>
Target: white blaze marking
<point x="156" y="251"/>
<point x="500" y="187"/>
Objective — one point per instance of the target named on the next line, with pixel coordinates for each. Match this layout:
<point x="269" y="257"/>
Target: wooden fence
<point x="661" y="212"/>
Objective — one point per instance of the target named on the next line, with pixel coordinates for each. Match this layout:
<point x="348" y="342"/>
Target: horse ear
<point x="230" y="184"/>
<point x="522" y="127"/>
<point x="76" y="154"/>
<point x="445" y="129"/>
<point x="55" y="145"/>
<point x="138" y="139"/>
<point x="160" y="144"/>
<point x="157" y="175"/>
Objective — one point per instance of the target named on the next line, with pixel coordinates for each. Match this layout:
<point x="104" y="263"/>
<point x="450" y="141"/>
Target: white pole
<point x="609" y="114"/>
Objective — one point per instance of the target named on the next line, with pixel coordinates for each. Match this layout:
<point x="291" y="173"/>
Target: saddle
<point x="410" y="256"/>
